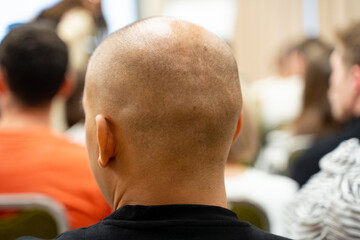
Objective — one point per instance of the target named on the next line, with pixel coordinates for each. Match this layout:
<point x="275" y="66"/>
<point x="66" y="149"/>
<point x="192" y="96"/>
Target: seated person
<point x="34" y="158"/>
<point x="162" y="102"/>
<point x="327" y="206"/>
<point x="344" y="102"/>
<point x="284" y="145"/>
<point x="277" y="98"/>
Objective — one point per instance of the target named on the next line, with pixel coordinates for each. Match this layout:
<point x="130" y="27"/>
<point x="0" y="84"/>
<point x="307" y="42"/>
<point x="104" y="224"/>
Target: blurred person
<point x="82" y="26"/>
<point x="269" y="191"/>
<point x="277" y="99"/>
<point x="162" y="102"/>
<point x="343" y="108"/>
<point x="315" y="117"/>
<point x="314" y="121"/>
<point x="327" y="206"/>
<point x="34" y="158"/>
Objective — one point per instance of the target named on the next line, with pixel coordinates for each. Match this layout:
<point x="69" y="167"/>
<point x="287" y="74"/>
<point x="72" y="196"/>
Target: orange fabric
<point x="41" y="161"/>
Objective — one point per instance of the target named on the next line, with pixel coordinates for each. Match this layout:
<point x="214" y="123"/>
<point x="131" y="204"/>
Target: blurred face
<point x="341" y="90"/>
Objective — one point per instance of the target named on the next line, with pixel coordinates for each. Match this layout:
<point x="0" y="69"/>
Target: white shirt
<point x="271" y="192"/>
<point x="279" y="100"/>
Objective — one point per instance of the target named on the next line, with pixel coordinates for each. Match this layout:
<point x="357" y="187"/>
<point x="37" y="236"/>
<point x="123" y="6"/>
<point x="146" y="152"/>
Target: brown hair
<point x="56" y="12"/>
<point x="349" y="41"/>
<point x="315" y="117"/>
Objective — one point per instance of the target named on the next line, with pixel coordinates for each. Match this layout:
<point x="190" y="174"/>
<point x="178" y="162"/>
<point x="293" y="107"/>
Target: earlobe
<point x="238" y="127"/>
<point x="68" y="86"/>
<point x="106" y="141"/>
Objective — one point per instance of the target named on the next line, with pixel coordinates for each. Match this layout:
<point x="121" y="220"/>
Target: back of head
<point x="316" y="54"/>
<point x="56" y="12"/>
<point x="173" y="89"/>
<point x="315" y="117"/>
<point x="348" y="43"/>
<point x="34" y="61"/>
<point x="345" y="77"/>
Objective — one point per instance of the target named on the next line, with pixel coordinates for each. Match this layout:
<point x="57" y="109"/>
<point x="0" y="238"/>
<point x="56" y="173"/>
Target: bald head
<point x="169" y="88"/>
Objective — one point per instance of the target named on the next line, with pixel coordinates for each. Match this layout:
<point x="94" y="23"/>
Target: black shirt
<point x="169" y="222"/>
<point x="308" y="163"/>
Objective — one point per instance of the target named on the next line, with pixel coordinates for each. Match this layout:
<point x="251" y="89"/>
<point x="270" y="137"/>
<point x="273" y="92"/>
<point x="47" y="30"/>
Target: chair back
<point x="250" y="212"/>
<point x="30" y="215"/>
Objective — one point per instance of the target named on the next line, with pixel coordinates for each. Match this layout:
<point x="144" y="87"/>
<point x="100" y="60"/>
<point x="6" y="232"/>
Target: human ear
<point x="3" y="85"/>
<point x="355" y="73"/>
<point x="106" y="141"/>
<point x="68" y="86"/>
<point x="238" y="127"/>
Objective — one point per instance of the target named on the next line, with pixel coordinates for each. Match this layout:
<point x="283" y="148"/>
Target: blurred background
<point x="255" y="28"/>
<point x="282" y="48"/>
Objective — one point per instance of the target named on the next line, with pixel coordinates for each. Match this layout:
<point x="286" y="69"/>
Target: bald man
<point x="162" y="102"/>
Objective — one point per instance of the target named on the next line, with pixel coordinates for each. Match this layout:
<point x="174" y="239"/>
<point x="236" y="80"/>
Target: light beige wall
<point x="150" y="8"/>
<point x="335" y="14"/>
<point x="262" y="27"/>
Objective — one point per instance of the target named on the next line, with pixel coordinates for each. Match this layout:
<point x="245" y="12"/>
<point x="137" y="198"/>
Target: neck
<point x="158" y="191"/>
<point x="19" y="117"/>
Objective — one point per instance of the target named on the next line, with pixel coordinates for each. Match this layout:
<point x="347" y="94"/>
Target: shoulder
<point x="261" y="235"/>
<point x="65" y="154"/>
<point x="308" y="163"/>
<point x="333" y="141"/>
<point x="65" y="141"/>
<point x="344" y="159"/>
<point x="330" y="200"/>
<point x="77" y="234"/>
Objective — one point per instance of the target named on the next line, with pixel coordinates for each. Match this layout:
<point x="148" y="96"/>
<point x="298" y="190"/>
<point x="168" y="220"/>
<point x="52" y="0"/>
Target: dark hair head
<point x="34" y="60"/>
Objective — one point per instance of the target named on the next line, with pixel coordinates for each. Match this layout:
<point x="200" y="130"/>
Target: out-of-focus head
<point x="290" y="62"/>
<point x="54" y="14"/>
<point x="316" y="54"/>
<point x="315" y="117"/>
<point x="94" y="6"/>
<point x="344" y="89"/>
<point x="296" y="58"/>
<point x="33" y="63"/>
<point x="169" y="93"/>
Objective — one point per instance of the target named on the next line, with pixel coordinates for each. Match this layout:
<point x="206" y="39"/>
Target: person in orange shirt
<point x="33" y="157"/>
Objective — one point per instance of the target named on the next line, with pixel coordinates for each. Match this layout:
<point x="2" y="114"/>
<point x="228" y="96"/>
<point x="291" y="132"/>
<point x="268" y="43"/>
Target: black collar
<point x="176" y="212"/>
